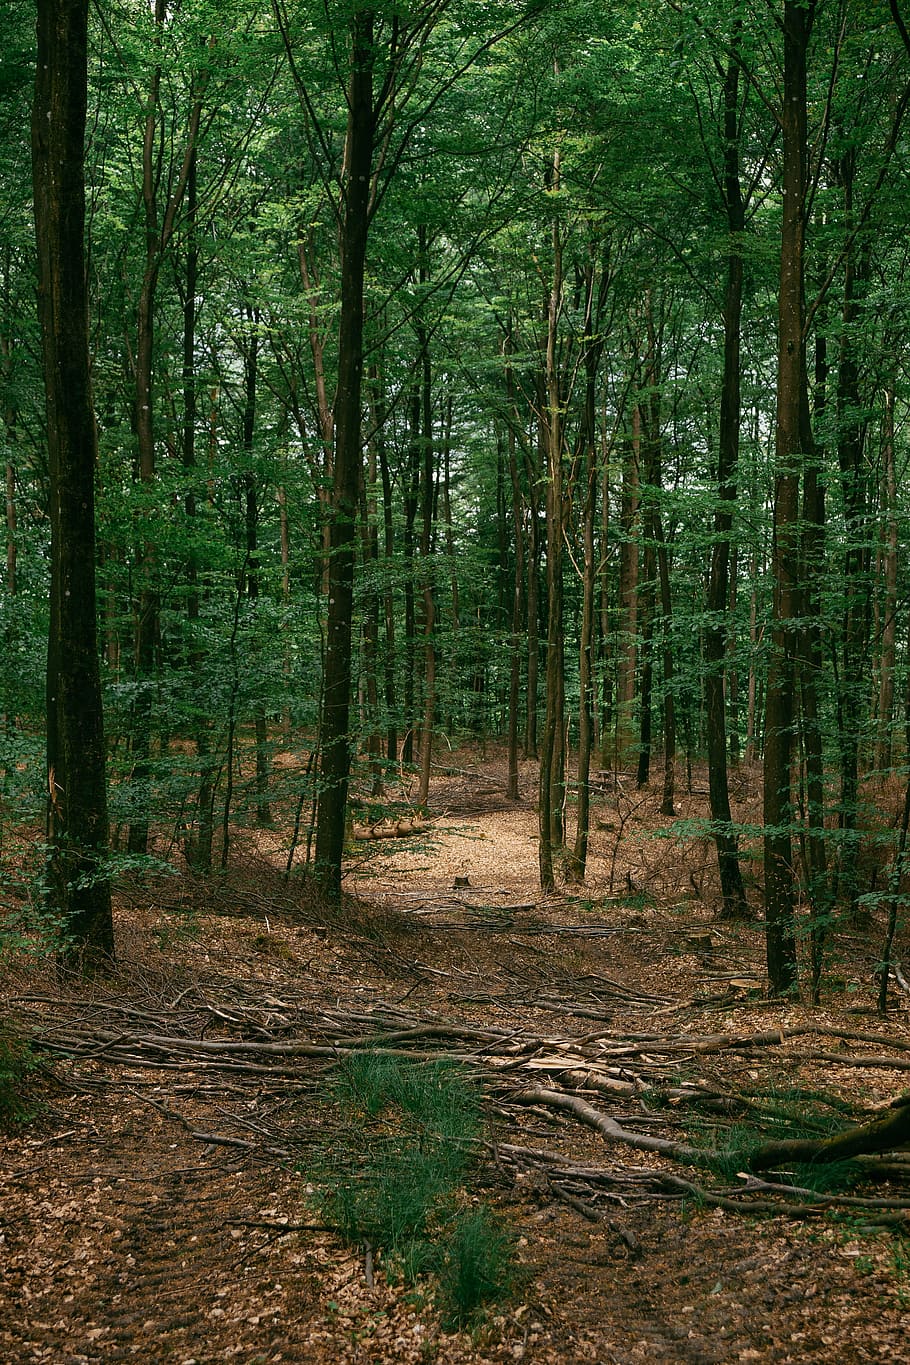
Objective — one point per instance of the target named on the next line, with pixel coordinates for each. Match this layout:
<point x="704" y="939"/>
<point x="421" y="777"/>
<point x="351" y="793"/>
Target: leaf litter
<point x="156" y="1207"/>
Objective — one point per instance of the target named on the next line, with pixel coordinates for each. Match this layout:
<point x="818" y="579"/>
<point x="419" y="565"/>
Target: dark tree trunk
<point x="889" y="554"/>
<point x="518" y="587"/>
<point x="428" y="600"/>
<point x="411" y="503"/>
<point x="159" y="230"/>
<point x="251" y="517"/>
<point x="810" y="667"/>
<point x="552" y="785"/>
<point x="533" y="618"/>
<point x="578" y="861"/>
<point x="199" y="845"/>
<point x="629" y="612"/>
<point x="717" y="630"/>
<point x="791" y="431"/>
<point x="388" y="597"/>
<point x="335" y="763"/>
<point x="851" y="433"/>
<point x="78" y="887"/>
<point x="369" y="542"/>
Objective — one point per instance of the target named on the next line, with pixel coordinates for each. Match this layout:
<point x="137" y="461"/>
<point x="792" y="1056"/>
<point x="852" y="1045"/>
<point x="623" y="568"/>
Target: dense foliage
<point x="572" y="512"/>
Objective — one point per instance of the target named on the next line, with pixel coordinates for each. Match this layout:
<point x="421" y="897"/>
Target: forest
<point x="458" y="451"/>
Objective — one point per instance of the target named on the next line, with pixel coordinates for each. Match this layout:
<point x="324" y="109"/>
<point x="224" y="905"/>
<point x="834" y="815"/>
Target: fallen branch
<point x="881" y="1134"/>
<point x="614" y="1132"/>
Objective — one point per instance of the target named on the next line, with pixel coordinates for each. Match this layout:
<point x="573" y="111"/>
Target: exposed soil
<point x="157" y="1208"/>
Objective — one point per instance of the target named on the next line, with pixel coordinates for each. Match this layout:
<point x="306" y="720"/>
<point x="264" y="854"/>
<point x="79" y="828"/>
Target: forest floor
<point x="157" y="1208"/>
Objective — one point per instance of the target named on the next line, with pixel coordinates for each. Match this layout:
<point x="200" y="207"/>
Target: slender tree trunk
<point x="578" y="861"/>
<point x="324" y="410"/>
<point x="78" y="887"/>
<point x="335" y="763"/>
<point x="810" y="666"/>
<point x="515" y="649"/>
<point x="199" y="846"/>
<point x="752" y="705"/>
<point x="883" y="748"/>
<point x="533" y="617"/>
<point x="628" y="622"/>
<point x="369" y="538"/>
<point x="411" y="504"/>
<point x="251" y="518"/>
<point x="717" y="632"/>
<point x="388" y="597"/>
<point x="791" y="431"/>
<point x="659" y="559"/>
<point x="159" y="230"/>
<point x="551" y="751"/>
<point x="856" y="618"/>
<point x="428" y="485"/>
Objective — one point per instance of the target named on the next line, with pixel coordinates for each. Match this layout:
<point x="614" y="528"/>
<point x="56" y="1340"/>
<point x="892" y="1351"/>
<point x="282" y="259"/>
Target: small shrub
<point x="477" y="1265"/>
<point x="18" y="1064"/>
<point x="396" y="1179"/>
<point x="827" y="1177"/>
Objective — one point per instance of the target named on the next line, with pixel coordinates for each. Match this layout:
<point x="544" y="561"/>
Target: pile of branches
<point x="646" y="1093"/>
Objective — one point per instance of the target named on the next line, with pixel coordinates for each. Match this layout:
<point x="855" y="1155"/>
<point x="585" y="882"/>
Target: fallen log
<point x="881" y="1134"/>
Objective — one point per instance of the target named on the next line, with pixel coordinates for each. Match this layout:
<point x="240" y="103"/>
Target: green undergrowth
<point x="18" y="1067"/>
<point x="395" y="1176"/>
<point x="780" y="1114"/>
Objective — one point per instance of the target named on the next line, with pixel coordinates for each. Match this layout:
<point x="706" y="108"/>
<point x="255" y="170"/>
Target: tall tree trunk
<point x="888" y="656"/>
<point x="550" y="797"/>
<point x="411" y="504"/>
<point x="159" y="230"/>
<point x="628" y="614"/>
<point x="78" y="886"/>
<point x="251" y="518"/>
<point x="515" y="643"/>
<point x="388" y="596"/>
<point x="586" y="702"/>
<point x="856" y="618"/>
<point x="369" y="541"/>
<point x="790" y="442"/>
<point x="659" y="559"/>
<point x="533" y="616"/>
<point x="428" y="488"/>
<point x="335" y="761"/>
<point x="810" y="666"/>
<point x="717" y="633"/>
<point x="324" y="410"/>
<point x="199" y="845"/>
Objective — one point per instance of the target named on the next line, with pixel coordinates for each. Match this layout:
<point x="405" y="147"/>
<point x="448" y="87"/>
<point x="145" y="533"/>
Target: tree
<point x="793" y="440"/>
<point x="78" y="886"/>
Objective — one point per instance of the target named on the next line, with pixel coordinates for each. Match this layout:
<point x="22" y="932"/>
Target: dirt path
<point x="157" y="1210"/>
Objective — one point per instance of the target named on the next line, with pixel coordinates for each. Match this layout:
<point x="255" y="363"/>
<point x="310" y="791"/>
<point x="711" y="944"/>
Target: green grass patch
<point x="396" y="1175"/>
<point x="827" y="1177"/>
<point x="18" y="1065"/>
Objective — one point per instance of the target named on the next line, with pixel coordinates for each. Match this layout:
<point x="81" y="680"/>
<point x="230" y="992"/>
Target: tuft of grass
<point x="827" y="1177"/>
<point x="477" y="1266"/>
<point x="396" y="1179"/>
<point x="18" y="1063"/>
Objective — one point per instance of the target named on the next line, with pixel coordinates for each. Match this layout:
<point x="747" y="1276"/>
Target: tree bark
<point x="335" y="760"/>
<point x="577" y="862"/>
<point x="717" y="631"/>
<point x="791" y="429"/>
<point x="78" y="886"/>
<point x="628" y="622"/>
<point x="888" y="656"/>
<point x="159" y="231"/>
<point x="551" y="776"/>
<point x="428" y="600"/>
